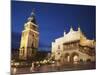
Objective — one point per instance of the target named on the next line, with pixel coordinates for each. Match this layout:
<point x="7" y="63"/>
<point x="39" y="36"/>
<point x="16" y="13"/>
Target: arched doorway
<point x="74" y="58"/>
<point x="66" y="57"/>
<point x="88" y="60"/>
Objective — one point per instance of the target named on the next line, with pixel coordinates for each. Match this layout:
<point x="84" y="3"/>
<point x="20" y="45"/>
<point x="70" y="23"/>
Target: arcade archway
<point x="67" y="57"/>
<point x="74" y="58"/>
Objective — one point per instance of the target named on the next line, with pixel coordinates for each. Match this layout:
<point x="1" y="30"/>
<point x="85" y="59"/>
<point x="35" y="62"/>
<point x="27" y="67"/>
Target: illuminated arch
<point x="74" y="57"/>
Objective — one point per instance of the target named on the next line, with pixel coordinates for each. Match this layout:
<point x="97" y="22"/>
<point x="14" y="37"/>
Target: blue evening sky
<point x="52" y="20"/>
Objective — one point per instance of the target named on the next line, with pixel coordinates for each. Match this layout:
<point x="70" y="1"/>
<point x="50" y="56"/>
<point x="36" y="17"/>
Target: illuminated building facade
<point x="73" y="47"/>
<point x="29" y="39"/>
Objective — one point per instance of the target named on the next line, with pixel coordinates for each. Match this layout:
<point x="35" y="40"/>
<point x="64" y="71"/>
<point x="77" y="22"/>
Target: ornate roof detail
<point x="64" y="32"/>
<point x="72" y="36"/>
<point x="32" y="18"/>
<point x="71" y="29"/>
<point x="79" y="28"/>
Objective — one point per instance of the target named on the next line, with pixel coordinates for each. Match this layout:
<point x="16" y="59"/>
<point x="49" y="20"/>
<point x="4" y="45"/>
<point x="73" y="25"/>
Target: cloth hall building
<point x="73" y="47"/>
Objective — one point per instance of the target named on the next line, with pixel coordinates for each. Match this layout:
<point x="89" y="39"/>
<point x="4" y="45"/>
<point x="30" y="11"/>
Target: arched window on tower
<point x="32" y="45"/>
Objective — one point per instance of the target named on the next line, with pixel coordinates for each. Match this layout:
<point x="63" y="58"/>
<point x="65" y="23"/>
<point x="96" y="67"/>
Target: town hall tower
<point x="29" y="39"/>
